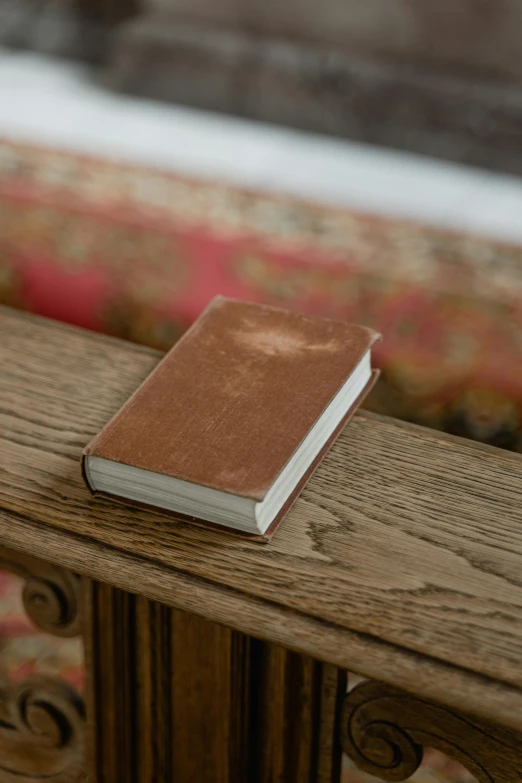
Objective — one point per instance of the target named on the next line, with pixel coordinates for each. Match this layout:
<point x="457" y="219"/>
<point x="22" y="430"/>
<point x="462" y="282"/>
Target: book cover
<point x="235" y="397"/>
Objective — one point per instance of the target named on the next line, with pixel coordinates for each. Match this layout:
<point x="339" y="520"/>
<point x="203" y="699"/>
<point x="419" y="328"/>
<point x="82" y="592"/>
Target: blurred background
<point x="359" y="161"/>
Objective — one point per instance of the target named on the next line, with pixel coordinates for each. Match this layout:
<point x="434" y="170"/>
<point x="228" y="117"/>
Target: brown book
<point x="234" y="419"/>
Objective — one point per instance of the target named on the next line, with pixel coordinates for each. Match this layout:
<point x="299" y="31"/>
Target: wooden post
<point x="173" y="697"/>
<point x="165" y="691"/>
<point x="299" y="702"/>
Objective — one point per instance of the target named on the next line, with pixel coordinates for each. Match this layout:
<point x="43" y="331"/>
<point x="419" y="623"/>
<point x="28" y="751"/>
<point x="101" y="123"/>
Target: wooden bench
<point x="211" y="658"/>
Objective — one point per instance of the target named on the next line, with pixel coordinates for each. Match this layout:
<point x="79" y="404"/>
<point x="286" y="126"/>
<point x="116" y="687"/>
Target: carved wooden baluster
<point x="384" y="731"/>
<point x="42" y="718"/>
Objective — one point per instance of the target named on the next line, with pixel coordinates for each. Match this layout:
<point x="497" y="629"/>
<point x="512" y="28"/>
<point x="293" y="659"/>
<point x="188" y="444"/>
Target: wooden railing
<point x="211" y="658"/>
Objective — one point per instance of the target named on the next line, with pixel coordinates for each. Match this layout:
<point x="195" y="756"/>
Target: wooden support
<point x="42" y="718"/>
<point x="173" y="697"/>
<point x="299" y="702"/>
<point x="167" y="693"/>
<point x="400" y="560"/>
<point x="384" y="731"/>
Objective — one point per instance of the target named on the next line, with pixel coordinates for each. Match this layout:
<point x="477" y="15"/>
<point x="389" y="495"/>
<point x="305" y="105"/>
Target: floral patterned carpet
<point x="138" y="253"/>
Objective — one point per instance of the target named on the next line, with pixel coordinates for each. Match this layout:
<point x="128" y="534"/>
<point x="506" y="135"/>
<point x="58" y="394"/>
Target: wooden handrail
<point x="401" y="559"/>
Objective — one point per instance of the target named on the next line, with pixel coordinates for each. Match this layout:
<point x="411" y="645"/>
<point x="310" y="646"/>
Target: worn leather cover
<point x="234" y="398"/>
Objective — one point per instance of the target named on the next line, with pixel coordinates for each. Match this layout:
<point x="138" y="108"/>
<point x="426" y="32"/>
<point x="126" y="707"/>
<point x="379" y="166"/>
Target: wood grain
<point x="167" y="692"/>
<point x="209" y="695"/>
<point x="405" y="547"/>
<point x="110" y="689"/>
<point x="385" y="730"/>
<point x="153" y="697"/>
<point x="434" y="679"/>
<point x="298" y="711"/>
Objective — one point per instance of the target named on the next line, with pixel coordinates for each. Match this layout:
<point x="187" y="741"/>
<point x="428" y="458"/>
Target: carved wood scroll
<point x="42" y="718"/>
<point x="41" y="732"/>
<point x="51" y="596"/>
<point x="384" y="731"/>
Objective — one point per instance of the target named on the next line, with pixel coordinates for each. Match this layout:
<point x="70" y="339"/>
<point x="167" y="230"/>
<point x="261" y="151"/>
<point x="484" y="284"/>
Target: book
<point x="234" y="419"/>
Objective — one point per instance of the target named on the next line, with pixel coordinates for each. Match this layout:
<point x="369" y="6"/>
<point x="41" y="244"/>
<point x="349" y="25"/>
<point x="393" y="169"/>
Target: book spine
<point x="83" y="467"/>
